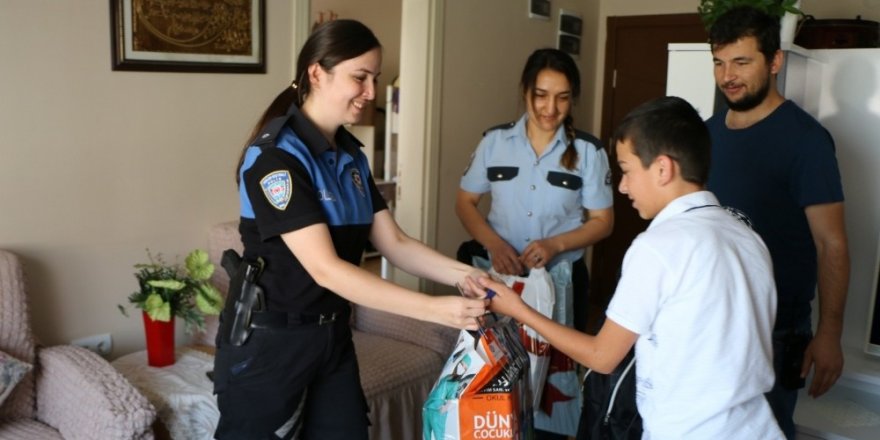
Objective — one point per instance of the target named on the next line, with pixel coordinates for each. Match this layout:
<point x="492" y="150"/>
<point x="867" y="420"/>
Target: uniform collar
<point x="683" y="203"/>
<point x="519" y="129"/>
<point x="312" y="137"/>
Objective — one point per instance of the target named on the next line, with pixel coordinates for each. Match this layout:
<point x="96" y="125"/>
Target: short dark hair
<point x="745" y="21"/>
<point x="669" y="126"/>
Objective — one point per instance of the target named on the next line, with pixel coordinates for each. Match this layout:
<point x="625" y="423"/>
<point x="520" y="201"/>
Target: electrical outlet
<point x="101" y="344"/>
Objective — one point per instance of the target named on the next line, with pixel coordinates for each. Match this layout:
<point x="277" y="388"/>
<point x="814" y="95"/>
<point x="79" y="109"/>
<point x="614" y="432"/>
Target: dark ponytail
<point x="329" y="44"/>
<point x="570" y="157"/>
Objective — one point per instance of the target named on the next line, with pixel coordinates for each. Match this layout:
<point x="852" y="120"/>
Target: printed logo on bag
<point x="278" y="188"/>
<point x="358" y="182"/>
<point x="493" y="425"/>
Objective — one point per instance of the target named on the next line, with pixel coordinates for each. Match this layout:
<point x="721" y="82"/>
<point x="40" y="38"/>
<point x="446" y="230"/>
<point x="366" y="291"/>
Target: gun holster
<point x="245" y="297"/>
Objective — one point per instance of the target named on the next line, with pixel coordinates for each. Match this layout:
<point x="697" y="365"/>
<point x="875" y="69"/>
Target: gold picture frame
<point x="189" y="35"/>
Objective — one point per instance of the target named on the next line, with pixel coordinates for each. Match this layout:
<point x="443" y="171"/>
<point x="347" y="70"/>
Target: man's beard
<point x="749" y="101"/>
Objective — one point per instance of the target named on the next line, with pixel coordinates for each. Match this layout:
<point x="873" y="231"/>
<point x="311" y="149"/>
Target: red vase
<point x="160" y="341"/>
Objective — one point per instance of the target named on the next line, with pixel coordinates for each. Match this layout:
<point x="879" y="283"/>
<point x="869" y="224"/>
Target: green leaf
<point x="167" y="284"/>
<point x="209" y="301"/>
<point x="157" y="308"/>
<point x="198" y="265"/>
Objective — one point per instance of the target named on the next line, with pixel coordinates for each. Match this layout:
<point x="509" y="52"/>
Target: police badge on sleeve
<point x="278" y="188"/>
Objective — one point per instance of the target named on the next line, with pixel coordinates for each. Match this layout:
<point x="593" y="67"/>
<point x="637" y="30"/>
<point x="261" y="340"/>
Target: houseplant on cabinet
<point x="788" y="12"/>
<point x="167" y="291"/>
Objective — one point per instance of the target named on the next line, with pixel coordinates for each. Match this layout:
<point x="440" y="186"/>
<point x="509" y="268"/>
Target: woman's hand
<point x="505" y="260"/>
<point x="538" y="253"/>
<point x="458" y="312"/>
<point x="472" y="290"/>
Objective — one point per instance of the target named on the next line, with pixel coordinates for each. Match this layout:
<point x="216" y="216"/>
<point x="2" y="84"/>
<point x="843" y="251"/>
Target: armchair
<point x="71" y="393"/>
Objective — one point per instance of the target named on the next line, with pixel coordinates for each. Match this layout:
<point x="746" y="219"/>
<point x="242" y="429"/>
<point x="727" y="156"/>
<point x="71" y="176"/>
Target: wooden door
<point x="635" y="72"/>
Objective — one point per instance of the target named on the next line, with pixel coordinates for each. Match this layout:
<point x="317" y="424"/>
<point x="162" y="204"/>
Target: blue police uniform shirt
<point x="292" y="178"/>
<point x="536" y="197"/>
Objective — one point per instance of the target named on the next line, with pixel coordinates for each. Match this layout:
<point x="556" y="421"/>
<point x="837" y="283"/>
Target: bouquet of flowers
<point x="167" y="290"/>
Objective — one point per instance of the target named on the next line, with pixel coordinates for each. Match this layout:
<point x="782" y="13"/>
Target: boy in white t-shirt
<point x="696" y="294"/>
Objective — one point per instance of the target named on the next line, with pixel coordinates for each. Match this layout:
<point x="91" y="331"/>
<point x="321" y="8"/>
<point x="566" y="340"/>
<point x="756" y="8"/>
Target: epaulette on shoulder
<point x="504" y="126"/>
<point x="270" y="131"/>
<point x="584" y="136"/>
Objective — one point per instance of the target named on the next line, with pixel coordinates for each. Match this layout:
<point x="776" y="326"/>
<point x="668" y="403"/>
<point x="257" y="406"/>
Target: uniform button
<point x="330" y="161"/>
<point x="536" y="163"/>
<point x="528" y="239"/>
<point x="532" y="187"/>
<point x="529" y="213"/>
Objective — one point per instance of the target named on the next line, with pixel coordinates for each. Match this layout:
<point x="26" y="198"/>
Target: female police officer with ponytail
<point x="550" y="187"/>
<point x="308" y="207"/>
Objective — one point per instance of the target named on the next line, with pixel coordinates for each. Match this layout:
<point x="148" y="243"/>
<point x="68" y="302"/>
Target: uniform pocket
<point x="565" y="180"/>
<point x="500" y="174"/>
<point x="231" y="361"/>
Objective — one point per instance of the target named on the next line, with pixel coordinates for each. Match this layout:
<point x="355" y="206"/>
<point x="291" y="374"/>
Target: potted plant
<point x="710" y="10"/>
<point x="167" y="291"/>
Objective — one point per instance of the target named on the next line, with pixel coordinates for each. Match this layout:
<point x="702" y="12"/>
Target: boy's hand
<point x="505" y="301"/>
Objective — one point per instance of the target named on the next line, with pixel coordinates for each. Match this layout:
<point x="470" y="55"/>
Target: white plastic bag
<point x="537" y="291"/>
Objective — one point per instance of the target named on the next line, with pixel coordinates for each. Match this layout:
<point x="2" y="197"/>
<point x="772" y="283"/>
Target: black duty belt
<point x="270" y="319"/>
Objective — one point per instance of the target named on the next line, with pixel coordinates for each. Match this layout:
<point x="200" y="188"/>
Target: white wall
<point x="850" y="110"/>
<point x="97" y="165"/>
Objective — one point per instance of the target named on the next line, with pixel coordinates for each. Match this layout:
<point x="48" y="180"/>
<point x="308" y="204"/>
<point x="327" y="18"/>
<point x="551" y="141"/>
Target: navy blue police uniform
<point x="297" y="374"/>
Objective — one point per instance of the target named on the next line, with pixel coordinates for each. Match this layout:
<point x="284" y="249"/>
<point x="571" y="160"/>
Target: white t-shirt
<point x="697" y="286"/>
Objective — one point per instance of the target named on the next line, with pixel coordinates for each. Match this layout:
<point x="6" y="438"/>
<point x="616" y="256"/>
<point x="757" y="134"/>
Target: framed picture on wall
<point x="210" y="36"/>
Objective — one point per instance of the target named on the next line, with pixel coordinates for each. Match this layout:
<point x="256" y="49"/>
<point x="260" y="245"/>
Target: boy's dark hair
<point x="669" y="126"/>
<point x="745" y="21"/>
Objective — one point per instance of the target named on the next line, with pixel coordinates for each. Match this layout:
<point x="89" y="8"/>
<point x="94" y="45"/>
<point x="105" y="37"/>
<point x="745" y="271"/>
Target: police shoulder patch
<point x="278" y="188"/>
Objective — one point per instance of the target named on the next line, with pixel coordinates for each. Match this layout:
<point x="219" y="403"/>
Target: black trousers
<point x="285" y="383"/>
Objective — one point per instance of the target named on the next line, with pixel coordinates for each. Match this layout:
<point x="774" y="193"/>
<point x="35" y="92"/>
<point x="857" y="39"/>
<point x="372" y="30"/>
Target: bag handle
<point x="613" y="391"/>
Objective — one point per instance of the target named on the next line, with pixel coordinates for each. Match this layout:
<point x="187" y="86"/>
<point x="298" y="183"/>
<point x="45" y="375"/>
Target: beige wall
<point x="97" y="165"/>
